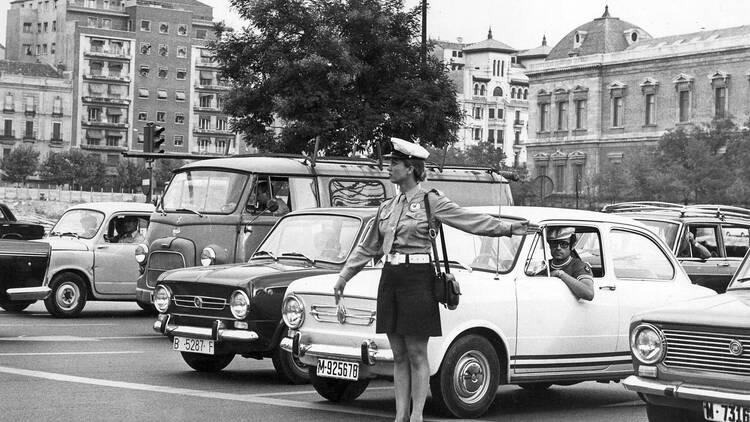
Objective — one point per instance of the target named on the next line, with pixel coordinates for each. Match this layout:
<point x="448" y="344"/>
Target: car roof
<point x="114" y="207"/>
<point x="681" y="213"/>
<point x="356" y="168"/>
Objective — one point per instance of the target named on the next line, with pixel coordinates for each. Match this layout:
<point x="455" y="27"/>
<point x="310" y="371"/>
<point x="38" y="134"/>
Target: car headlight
<point x="647" y="344"/>
<point x="208" y="256"/>
<point x="162" y="296"/>
<point x="239" y="304"/>
<point x="293" y="312"/>
<point x="141" y="252"/>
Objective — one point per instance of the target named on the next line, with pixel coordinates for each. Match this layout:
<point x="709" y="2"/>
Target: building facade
<point x="608" y="89"/>
<point x="36" y="107"/>
<point x="133" y="62"/>
<point x="493" y="90"/>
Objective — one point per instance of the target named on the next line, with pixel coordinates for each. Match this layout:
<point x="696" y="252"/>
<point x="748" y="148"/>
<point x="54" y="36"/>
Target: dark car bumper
<point x="688" y="396"/>
<point x="228" y="340"/>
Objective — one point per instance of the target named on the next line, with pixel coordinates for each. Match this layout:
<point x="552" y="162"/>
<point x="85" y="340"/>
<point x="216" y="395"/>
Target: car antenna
<point x="315" y="151"/>
<point x="445" y="154"/>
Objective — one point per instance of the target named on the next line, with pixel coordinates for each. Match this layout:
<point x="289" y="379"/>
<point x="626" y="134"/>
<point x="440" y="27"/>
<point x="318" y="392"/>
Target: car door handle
<point x="101" y="246"/>
<point x="608" y="287"/>
<point x="723" y="264"/>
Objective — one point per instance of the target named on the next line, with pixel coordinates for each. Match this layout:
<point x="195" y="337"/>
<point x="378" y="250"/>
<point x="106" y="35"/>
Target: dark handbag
<point x="445" y="287"/>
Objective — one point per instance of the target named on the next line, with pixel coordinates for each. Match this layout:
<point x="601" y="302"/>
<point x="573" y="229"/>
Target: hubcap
<point x="67" y="296"/>
<point x="471" y="377"/>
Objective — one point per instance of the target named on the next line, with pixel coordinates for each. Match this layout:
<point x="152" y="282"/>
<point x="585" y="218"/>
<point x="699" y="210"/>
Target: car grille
<point x="707" y="351"/>
<point x="341" y="315"/>
<point x="200" y="302"/>
<point x="160" y="261"/>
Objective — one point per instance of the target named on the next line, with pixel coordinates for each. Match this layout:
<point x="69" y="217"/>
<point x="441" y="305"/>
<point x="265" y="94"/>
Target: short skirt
<point x="406" y="303"/>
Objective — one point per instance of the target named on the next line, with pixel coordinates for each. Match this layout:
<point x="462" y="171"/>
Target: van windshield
<point x="204" y="191"/>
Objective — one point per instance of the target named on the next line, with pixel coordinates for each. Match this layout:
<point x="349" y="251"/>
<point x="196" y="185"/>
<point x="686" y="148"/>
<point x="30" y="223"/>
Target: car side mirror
<point x="272" y="205"/>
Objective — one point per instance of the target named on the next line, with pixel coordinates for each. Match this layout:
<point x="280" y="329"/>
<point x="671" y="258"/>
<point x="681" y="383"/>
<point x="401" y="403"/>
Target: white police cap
<point x="406" y="149"/>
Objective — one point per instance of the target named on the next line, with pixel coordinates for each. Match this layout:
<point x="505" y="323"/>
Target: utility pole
<point x="424" y="32"/>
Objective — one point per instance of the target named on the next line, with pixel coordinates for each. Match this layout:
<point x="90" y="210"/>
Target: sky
<point x="522" y="23"/>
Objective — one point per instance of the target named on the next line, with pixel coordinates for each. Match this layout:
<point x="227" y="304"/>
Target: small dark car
<point x="692" y="359"/>
<point x="11" y="228"/>
<point x="213" y="313"/>
<point x="708" y="240"/>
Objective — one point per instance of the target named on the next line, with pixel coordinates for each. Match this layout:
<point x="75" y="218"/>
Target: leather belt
<point x="397" y="258"/>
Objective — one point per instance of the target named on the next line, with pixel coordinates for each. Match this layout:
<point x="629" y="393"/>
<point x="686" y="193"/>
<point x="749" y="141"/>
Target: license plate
<point x="338" y="369"/>
<point x="193" y="345"/>
<point x="725" y="412"/>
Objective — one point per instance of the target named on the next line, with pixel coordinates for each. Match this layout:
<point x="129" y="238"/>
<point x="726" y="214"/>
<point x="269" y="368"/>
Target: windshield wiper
<point x="65" y="234"/>
<point x="189" y="210"/>
<point x="742" y="280"/>
<point x="265" y="253"/>
<point x="307" y="258"/>
<point x="462" y="264"/>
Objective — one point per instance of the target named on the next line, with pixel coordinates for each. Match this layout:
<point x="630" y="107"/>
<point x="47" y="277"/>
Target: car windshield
<point x="315" y="237"/>
<point x="665" y="229"/>
<point x="78" y="223"/>
<point x="481" y="252"/>
<point x="204" y="191"/>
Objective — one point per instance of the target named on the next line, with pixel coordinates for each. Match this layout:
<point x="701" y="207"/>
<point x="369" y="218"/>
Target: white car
<point x="512" y="326"/>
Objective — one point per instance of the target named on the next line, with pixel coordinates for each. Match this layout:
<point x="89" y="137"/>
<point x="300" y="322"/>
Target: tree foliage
<point x="74" y="167"/>
<point x="346" y="71"/>
<point x="21" y="163"/>
<point x="483" y="154"/>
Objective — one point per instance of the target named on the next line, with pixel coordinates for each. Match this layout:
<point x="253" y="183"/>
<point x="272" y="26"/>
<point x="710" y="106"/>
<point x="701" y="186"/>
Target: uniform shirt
<point x="404" y="219"/>
<point x="133" y="237"/>
<point x="573" y="267"/>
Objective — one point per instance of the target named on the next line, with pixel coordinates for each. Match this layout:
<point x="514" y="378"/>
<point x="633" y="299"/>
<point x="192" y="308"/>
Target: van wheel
<point x="207" y="363"/>
<point x="337" y="390"/>
<point x="15" y="307"/>
<point x="67" y="297"/>
<point x="467" y="381"/>
<point x="289" y="367"/>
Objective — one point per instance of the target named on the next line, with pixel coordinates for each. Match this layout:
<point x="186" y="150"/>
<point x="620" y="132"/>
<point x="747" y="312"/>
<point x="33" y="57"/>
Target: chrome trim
<point x="341" y="315"/>
<point x="685" y="391"/>
<point x="707" y="351"/>
<point x="28" y="293"/>
<point x="191" y="301"/>
<point x="207" y="333"/>
<point x="664" y="346"/>
<point x="338" y="352"/>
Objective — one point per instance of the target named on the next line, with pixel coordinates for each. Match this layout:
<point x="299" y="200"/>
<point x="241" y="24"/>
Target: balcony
<point x="56" y="142"/>
<point x="207" y="109"/>
<point x="30" y="111"/>
<point x="9" y="108"/>
<point x="206" y="62"/>
<point x="109" y="78"/>
<point x="97" y="147"/>
<point x="518" y="122"/>
<point x="107" y="53"/>
<point x="102" y="123"/>
<point x="211" y="131"/>
<point x="198" y="85"/>
<point x="8" y="135"/>
<point x="29" y="135"/>
<point x="106" y="100"/>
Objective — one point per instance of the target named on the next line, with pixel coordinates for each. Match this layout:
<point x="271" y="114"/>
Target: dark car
<point x="708" y="240"/>
<point x="11" y="228"/>
<point x="213" y="313"/>
<point x="692" y="359"/>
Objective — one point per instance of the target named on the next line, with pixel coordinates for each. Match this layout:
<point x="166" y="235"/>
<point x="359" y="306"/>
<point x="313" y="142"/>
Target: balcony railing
<point x="100" y="77"/>
<point x="209" y="130"/>
<point x="56" y="141"/>
<point x="210" y="109"/>
<point x="106" y="100"/>
<point x="518" y="122"/>
<point x="206" y="62"/>
<point x="213" y="87"/>
<point x="8" y="134"/>
<point x="106" y="52"/>
<point x="29" y="135"/>
<point x="9" y="108"/>
<point x="100" y="147"/>
<point x="103" y="123"/>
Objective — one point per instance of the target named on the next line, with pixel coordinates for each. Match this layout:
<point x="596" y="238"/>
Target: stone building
<point x="36" y="107"/>
<point x="133" y="62"/>
<point x="608" y="88"/>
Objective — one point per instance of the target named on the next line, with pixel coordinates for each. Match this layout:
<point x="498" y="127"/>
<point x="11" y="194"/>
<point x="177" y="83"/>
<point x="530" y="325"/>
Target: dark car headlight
<point x="647" y="344"/>
<point x="161" y="298"/>
<point x="208" y="256"/>
<point x="239" y="304"/>
<point x="141" y="252"/>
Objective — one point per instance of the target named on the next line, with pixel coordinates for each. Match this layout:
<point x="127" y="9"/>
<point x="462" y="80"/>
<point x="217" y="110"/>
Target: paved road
<point x="109" y="366"/>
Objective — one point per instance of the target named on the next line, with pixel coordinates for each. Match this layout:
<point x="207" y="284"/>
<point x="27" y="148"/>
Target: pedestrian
<point x="407" y="311"/>
<point x="575" y="273"/>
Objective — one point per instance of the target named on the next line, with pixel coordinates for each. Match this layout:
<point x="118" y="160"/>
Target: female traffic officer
<point x="407" y="311"/>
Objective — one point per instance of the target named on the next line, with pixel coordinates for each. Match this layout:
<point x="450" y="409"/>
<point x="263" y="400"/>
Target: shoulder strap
<point x="433" y="232"/>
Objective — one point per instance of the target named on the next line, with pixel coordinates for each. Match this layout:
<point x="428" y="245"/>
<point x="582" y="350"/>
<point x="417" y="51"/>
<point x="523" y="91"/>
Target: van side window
<point x="267" y="188"/>
<point x="356" y="193"/>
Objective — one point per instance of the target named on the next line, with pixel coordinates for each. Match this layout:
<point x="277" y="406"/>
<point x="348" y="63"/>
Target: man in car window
<point x="575" y="273"/>
<point x="130" y="232"/>
<point x="263" y="195"/>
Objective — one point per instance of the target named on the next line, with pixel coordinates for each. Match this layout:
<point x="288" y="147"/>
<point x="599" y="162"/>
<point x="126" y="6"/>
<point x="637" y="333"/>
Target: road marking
<point x="633" y="403"/>
<point x="69" y="353"/>
<point x="57" y="325"/>
<point x="291" y="393"/>
<point x="76" y="338"/>
<point x="255" y="399"/>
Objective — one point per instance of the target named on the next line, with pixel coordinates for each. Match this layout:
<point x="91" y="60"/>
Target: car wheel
<point x="15" y="307"/>
<point x="67" y="297"/>
<point x="467" y="381"/>
<point x="536" y="387"/>
<point x="337" y="390"/>
<point x="670" y="414"/>
<point x="207" y="363"/>
<point x="290" y="367"/>
<point x="148" y="308"/>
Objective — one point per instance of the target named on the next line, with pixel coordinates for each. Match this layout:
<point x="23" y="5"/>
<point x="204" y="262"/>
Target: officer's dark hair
<point x="418" y="168"/>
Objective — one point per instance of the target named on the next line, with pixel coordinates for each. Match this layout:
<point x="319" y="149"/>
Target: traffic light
<point x="157" y="139"/>
<point x="148" y="131"/>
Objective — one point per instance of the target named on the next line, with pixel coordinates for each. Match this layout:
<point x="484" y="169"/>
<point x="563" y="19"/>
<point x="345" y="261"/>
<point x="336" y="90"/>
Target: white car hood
<point x="364" y="284"/>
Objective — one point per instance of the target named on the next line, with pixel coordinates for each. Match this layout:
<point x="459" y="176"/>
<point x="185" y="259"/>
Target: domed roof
<point x="606" y="34"/>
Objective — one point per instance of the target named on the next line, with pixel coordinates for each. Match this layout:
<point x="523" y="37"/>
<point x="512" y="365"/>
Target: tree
<point x="348" y="72"/>
<point x="482" y="154"/>
<point x="74" y="167"/>
<point x="130" y="175"/>
<point x="21" y="163"/>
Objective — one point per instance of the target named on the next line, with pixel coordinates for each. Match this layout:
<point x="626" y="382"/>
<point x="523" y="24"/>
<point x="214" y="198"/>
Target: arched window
<point x="525" y="94"/>
<point x="476" y="89"/>
<point x="513" y="92"/>
<point x="482" y="90"/>
<point x="497" y="92"/>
